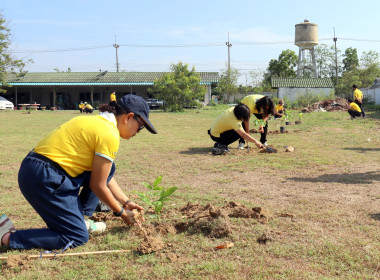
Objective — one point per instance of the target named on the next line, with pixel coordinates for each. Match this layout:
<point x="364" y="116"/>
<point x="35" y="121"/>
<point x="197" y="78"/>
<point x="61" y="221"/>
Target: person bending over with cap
<point x="228" y="128"/>
<point x="80" y="152"/>
<point x="261" y="106"/>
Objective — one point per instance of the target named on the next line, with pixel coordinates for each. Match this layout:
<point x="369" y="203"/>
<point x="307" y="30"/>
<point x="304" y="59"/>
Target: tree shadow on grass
<point x="345" y="178"/>
<point x="197" y="151"/>
<point x="363" y="150"/>
<point x="375" y="216"/>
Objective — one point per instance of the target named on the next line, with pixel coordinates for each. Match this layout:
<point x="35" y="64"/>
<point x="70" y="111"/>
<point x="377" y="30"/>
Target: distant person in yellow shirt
<point x="70" y="169"/>
<point x="88" y="108"/>
<point x="358" y="97"/>
<point x="279" y="109"/>
<point x="228" y="128"/>
<point x="353" y="109"/>
<point x="81" y="107"/>
<point x="113" y="96"/>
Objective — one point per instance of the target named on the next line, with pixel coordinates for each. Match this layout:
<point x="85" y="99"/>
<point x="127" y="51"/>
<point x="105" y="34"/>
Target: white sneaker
<point x="265" y="144"/>
<point x="241" y="146"/>
<point x="95" y="226"/>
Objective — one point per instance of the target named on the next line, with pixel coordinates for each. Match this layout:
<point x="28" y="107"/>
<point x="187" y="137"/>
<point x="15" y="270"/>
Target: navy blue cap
<point x="138" y="106"/>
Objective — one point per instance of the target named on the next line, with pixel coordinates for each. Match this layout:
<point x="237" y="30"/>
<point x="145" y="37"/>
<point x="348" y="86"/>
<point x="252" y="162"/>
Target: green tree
<point x="180" y="88"/>
<point x="350" y="60"/>
<point x="325" y="60"/>
<point x="8" y="64"/>
<point x="284" y="66"/>
<point x="370" y="58"/>
<point x="228" y="84"/>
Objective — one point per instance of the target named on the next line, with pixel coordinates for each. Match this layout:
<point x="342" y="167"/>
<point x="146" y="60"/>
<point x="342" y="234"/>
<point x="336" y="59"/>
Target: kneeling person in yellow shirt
<point x="228" y="128"/>
<point x="354" y="109"/>
<point x="69" y="170"/>
<point x="88" y="108"/>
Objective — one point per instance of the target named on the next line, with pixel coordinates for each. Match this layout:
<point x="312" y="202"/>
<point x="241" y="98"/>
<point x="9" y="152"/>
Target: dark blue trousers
<point x="57" y="198"/>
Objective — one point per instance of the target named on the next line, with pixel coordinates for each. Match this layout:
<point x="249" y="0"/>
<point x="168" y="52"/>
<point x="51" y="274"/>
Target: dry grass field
<point x="317" y="209"/>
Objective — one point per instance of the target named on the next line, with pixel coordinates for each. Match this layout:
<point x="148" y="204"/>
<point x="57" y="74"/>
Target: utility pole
<point x="229" y="46"/>
<point x="336" y="60"/>
<point x="116" y="46"/>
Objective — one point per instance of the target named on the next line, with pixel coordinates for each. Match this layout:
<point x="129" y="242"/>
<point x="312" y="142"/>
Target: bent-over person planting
<point x="228" y="128"/>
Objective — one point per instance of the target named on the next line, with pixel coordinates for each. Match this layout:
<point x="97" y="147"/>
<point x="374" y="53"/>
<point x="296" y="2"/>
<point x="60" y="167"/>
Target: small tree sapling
<point x="159" y="195"/>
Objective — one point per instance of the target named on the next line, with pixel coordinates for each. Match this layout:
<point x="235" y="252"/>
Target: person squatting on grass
<point x="261" y="106"/>
<point x="228" y="128"/>
<point x="279" y="110"/>
<point x="353" y="109"/>
<point x="358" y="98"/>
<point x="80" y="152"/>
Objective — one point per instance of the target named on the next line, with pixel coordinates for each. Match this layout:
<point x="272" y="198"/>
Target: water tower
<point x="306" y="39"/>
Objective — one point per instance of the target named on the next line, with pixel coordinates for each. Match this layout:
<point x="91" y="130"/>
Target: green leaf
<point x="169" y="191"/>
<point x="157" y="181"/>
<point x="147" y="185"/>
<point x="144" y="198"/>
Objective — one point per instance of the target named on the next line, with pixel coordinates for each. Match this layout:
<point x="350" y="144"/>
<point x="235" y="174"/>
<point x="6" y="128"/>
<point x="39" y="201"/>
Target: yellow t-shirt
<point x="355" y="107"/>
<point x="279" y="107"/>
<point x="226" y="121"/>
<point x="112" y="97"/>
<point x="358" y="94"/>
<point x="74" y="144"/>
<point x="250" y="101"/>
<point x="81" y="106"/>
<point x="88" y="106"/>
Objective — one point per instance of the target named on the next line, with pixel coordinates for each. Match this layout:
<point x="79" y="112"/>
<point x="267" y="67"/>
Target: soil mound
<point x="207" y="220"/>
<point x="150" y="245"/>
<point x="237" y="210"/>
<point x="268" y="149"/>
<point x="338" y="104"/>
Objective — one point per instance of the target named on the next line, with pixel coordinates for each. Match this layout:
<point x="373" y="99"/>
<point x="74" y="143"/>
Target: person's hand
<point x="131" y="205"/>
<point x="261" y="129"/>
<point x="128" y="217"/>
<point x="259" y="145"/>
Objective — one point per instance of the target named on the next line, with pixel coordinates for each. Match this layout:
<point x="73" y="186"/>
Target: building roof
<point x="96" y="78"/>
<point x="301" y="83"/>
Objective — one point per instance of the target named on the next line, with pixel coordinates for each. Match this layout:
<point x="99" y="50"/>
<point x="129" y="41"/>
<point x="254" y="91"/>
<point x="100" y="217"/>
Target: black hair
<point x="354" y="86"/>
<point x="349" y="100"/>
<point x="241" y="112"/>
<point x="263" y="103"/>
<point x="113" y="107"/>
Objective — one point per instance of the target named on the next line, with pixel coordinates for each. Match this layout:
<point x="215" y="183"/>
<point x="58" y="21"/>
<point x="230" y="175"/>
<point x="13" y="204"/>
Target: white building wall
<point x="372" y="93"/>
<point x="293" y="93"/>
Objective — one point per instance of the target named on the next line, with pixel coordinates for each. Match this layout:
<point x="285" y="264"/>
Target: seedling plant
<point x="159" y="195"/>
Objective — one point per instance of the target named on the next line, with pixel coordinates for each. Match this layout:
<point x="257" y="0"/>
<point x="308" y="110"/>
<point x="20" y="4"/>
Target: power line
<point x="212" y="44"/>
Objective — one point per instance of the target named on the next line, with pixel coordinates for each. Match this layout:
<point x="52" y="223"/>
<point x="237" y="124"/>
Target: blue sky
<point x="154" y="34"/>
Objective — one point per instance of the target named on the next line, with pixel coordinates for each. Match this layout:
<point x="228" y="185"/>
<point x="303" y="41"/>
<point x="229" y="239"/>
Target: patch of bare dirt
<point x="103" y="217"/>
<point x="207" y="220"/>
<point x="22" y="261"/>
<point x="150" y="245"/>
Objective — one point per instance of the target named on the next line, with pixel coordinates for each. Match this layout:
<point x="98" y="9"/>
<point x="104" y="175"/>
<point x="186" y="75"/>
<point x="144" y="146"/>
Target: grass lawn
<point x="323" y="199"/>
